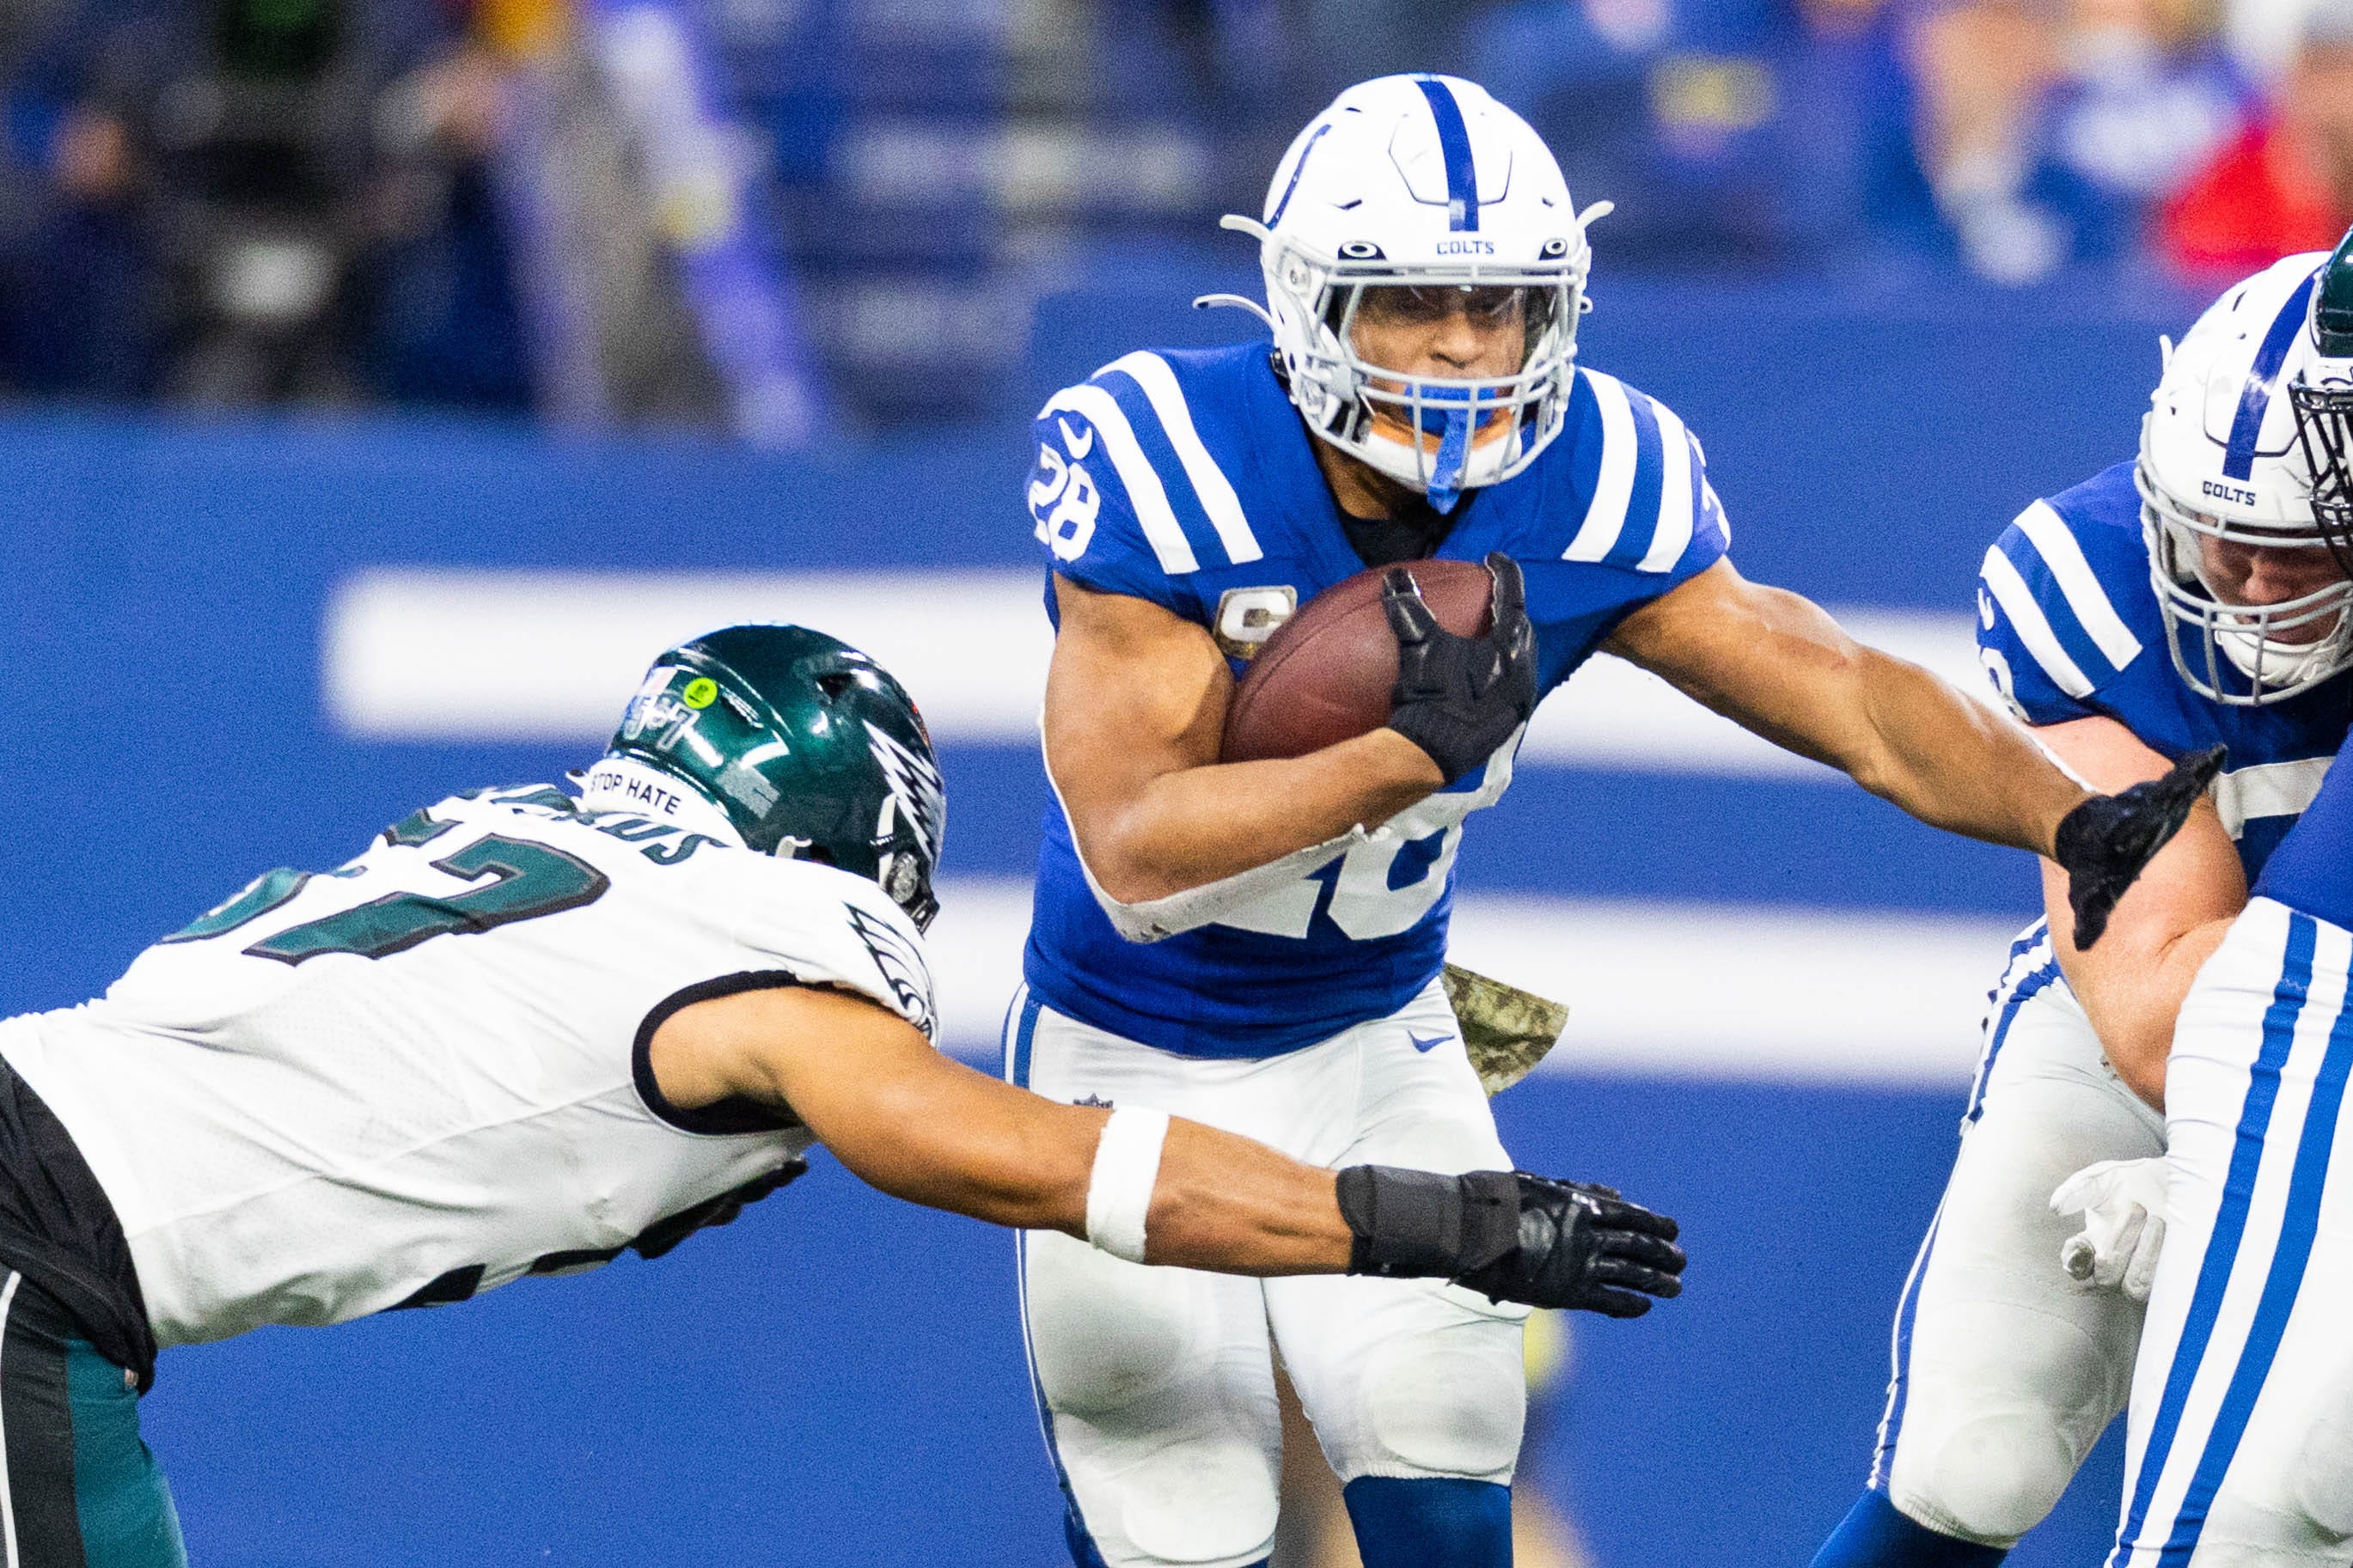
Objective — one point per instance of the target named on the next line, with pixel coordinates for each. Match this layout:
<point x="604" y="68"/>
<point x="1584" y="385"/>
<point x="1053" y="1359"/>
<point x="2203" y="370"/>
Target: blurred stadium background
<point x="384" y="381"/>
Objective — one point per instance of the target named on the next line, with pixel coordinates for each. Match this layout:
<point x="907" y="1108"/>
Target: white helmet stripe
<point x="1210" y="486"/>
<point x="2093" y="609"/>
<point x="1606" y="518"/>
<point x="2016" y="601"/>
<point x="1144" y="491"/>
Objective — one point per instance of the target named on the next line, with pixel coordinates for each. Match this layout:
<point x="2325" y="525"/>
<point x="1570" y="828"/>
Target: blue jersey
<point x="2069" y="628"/>
<point x="1187" y="480"/>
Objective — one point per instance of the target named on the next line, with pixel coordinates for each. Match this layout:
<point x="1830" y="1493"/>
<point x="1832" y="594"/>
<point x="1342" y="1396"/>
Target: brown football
<point x="1325" y="674"/>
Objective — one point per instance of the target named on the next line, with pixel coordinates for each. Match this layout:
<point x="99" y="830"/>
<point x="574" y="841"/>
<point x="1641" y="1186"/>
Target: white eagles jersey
<point x="425" y="1074"/>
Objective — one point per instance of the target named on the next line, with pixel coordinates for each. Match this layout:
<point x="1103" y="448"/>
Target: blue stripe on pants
<point x="2288" y="998"/>
<point x="1899" y="1385"/>
<point x="2298" y="1227"/>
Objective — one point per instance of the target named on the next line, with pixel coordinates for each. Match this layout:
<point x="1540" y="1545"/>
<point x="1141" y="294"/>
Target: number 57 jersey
<point x="425" y="1074"/>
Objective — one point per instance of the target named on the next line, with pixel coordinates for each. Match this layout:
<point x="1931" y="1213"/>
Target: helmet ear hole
<point x="835" y="683"/>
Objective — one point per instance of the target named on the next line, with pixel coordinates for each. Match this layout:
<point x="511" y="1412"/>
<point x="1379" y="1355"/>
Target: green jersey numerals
<point x="528" y="881"/>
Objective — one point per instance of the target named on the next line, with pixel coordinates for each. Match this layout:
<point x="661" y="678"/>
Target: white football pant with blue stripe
<point x="1157" y="1385"/>
<point x="2006" y="1371"/>
<point x="2240" y="1437"/>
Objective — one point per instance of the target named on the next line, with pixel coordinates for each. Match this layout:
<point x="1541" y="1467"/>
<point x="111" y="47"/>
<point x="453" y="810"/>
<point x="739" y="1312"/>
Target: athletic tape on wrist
<point x="1119" y="1193"/>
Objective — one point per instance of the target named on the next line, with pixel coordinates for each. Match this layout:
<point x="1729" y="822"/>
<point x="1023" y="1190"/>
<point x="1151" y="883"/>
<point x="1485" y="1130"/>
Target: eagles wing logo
<point x="916" y="793"/>
<point x="902" y="964"/>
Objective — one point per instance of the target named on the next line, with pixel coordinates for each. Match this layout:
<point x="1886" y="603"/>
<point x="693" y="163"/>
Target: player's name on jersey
<point x="536" y="655"/>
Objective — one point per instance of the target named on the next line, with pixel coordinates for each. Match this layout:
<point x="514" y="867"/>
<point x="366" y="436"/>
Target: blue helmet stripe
<point x="2255" y="401"/>
<point x="1455" y="141"/>
<point x="1296" y="170"/>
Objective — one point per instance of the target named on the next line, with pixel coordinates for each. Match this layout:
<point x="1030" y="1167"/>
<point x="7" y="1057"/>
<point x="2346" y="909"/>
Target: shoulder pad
<point x="1124" y="478"/>
<point x="2059" y="592"/>
<point x="1639" y="471"/>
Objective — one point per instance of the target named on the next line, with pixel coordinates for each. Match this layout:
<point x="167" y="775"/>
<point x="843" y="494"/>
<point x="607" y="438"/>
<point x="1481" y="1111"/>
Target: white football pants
<point x="2240" y="1445"/>
<point x="2006" y="1371"/>
<point x="1157" y="1385"/>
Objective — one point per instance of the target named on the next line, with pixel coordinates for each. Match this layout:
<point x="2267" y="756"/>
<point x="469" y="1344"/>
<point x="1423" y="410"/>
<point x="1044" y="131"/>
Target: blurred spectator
<point x="2047" y="136"/>
<point x="1727" y="132"/>
<point x="263" y="200"/>
<point x="2285" y="182"/>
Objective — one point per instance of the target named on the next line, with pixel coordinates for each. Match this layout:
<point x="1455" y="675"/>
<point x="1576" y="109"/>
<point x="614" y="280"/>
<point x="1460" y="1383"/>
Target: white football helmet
<point x="1423" y="183"/>
<point x="2222" y="457"/>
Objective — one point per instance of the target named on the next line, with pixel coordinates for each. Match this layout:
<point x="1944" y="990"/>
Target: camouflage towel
<point x="1506" y="1030"/>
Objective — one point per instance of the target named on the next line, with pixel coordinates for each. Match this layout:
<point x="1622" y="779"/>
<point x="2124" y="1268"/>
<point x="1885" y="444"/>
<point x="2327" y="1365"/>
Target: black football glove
<point x="1460" y="698"/>
<point x="2107" y="842"/>
<point x="1515" y="1237"/>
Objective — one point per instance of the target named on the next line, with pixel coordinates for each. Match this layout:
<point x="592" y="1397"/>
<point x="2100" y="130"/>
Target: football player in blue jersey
<point x="2239" y="1446"/>
<point x="2006" y="1369"/>
<point x="1258" y="944"/>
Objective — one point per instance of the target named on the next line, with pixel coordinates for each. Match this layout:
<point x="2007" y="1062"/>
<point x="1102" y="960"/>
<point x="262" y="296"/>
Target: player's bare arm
<point x="2164" y="929"/>
<point x="920" y="1127"/>
<point x="1135" y="702"/>
<point x="924" y="1128"/>
<point x="1777" y="664"/>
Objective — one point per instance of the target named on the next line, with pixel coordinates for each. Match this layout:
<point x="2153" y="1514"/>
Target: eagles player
<point x="2207" y="549"/>
<point x="1425" y="270"/>
<point x="2239" y="1446"/>
<point x="523" y="1033"/>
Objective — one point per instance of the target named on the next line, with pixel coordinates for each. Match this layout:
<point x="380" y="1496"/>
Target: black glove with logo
<point x="2107" y="842"/>
<point x="1460" y="698"/>
<point x="1515" y="1237"/>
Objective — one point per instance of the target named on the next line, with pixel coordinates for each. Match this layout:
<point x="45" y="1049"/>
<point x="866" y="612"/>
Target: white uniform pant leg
<point x="2006" y="1371"/>
<point x="1409" y="1377"/>
<point x="2239" y="1443"/>
<point x="1155" y="1386"/>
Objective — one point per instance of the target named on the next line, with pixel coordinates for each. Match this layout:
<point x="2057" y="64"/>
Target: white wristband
<point x="1118" y="1193"/>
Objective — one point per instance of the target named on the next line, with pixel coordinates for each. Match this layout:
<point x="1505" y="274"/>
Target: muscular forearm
<point x="1954" y="763"/>
<point x="949" y="1137"/>
<point x="1195" y="825"/>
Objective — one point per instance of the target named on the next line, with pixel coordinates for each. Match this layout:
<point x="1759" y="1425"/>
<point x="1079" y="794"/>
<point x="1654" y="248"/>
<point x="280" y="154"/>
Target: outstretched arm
<point x="927" y="1128"/>
<point x="1776" y="663"/>
<point x="924" y="1128"/>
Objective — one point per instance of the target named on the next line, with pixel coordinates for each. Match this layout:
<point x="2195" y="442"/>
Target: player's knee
<point x="1451" y="1403"/>
<point x="1104" y="1335"/>
<point x="2320" y="1479"/>
<point x="1989" y="1481"/>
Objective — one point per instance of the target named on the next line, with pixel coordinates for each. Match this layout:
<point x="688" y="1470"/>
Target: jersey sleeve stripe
<point x="2057" y="545"/>
<point x="1614" y="486"/>
<point x="1650" y="488"/>
<point x="2268" y="789"/>
<point x="1144" y="491"/>
<point x="1679" y="482"/>
<point x="2016" y="601"/>
<point x="1215" y="491"/>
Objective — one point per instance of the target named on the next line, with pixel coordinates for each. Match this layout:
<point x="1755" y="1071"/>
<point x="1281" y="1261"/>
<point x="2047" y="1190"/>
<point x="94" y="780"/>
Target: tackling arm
<point x="920" y="1127"/>
<point x="1136" y="704"/>
<point x="2164" y="929"/>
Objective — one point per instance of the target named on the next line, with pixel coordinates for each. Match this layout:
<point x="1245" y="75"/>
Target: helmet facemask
<point x="2324" y="430"/>
<point x="2278" y="650"/>
<point x="1437" y="434"/>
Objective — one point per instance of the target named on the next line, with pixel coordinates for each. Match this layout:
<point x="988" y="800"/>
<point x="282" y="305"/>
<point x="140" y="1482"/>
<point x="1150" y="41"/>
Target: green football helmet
<point x="810" y="748"/>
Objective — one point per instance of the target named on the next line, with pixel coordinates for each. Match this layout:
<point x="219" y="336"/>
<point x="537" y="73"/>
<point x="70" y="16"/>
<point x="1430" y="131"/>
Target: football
<point x="1325" y="675"/>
